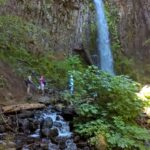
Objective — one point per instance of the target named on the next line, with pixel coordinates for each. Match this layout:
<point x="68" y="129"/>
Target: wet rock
<point x="59" y="117"/>
<point x="68" y="113"/>
<point x="53" y="132"/>
<point x="53" y="147"/>
<point x="44" y="146"/>
<point x="36" y="146"/>
<point x="33" y="124"/>
<point x="61" y="142"/>
<point x="70" y="145"/>
<point x="2" y="129"/>
<point x="25" y="148"/>
<point x="45" y="132"/>
<point x="62" y="145"/>
<point x="47" y="123"/>
<point x="57" y="124"/>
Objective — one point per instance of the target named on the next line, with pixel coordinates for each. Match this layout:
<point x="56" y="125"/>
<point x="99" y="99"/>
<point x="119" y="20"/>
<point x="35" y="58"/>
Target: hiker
<point x="71" y="84"/>
<point x="29" y="83"/>
<point x="42" y="84"/>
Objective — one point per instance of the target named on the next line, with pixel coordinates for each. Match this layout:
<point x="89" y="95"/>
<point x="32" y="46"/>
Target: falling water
<point x="104" y="50"/>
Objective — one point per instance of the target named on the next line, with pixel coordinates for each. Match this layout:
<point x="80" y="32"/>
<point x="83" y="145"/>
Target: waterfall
<point x="104" y="50"/>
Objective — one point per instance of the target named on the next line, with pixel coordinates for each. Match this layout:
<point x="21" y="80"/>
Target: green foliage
<point x="111" y="111"/>
<point x="118" y="134"/>
<point x="116" y="93"/>
<point x="87" y="111"/>
<point x="147" y="42"/>
<point x="113" y="19"/>
<point x="91" y="128"/>
<point x="15" y="33"/>
<point x="2" y="2"/>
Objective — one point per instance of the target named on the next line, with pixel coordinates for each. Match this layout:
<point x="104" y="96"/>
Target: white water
<point x="63" y="130"/>
<point x="104" y="50"/>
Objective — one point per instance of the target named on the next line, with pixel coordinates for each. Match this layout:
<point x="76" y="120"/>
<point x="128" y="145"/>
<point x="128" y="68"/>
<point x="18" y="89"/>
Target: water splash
<point x="104" y="50"/>
<point x="63" y="129"/>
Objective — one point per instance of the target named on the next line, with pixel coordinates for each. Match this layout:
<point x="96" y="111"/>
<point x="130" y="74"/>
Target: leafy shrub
<point x="115" y="93"/>
<point x="117" y="133"/>
<point x="112" y="110"/>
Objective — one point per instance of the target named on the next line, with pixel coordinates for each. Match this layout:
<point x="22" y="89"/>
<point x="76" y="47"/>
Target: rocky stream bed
<point x="44" y="129"/>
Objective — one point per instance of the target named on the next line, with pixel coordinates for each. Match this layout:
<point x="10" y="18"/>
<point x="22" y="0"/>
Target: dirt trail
<point x="12" y="87"/>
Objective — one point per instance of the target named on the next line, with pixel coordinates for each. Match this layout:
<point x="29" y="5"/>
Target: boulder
<point x="68" y="113"/>
<point x="47" y="123"/>
<point x="33" y="124"/>
<point x="53" y="132"/>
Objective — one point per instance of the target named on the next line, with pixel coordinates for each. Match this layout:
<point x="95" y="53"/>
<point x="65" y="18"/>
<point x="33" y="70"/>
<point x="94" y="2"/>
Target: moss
<point x="2" y="2"/>
<point x="17" y="33"/>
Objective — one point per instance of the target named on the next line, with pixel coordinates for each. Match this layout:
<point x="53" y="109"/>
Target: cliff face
<point x="135" y="27"/>
<point x="71" y="24"/>
<point x="134" y="31"/>
<point x="63" y="19"/>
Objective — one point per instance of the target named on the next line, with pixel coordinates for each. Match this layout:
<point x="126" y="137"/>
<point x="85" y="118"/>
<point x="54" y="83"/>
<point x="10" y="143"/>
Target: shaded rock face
<point x="134" y="29"/>
<point x="64" y="20"/>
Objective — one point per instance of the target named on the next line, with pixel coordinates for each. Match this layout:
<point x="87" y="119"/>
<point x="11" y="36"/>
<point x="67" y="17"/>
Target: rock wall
<point x="71" y="25"/>
<point x="134" y="30"/>
<point x="135" y="27"/>
<point x="65" y="20"/>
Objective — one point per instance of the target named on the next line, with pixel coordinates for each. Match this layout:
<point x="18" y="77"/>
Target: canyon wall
<point x="66" y="21"/>
<point x="134" y="32"/>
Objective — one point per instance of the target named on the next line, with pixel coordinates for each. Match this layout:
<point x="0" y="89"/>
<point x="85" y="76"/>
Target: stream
<point x="39" y="130"/>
